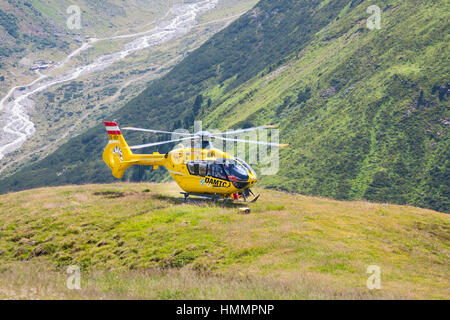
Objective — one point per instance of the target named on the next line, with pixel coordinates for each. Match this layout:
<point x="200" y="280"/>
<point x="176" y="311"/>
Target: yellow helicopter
<point x="200" y="170"/>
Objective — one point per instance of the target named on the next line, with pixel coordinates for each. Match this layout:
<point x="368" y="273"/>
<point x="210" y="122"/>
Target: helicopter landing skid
<point x="215" y="197"/>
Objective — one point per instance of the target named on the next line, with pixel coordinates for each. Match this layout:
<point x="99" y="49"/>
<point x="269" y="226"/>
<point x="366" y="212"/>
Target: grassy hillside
<point x="365" y="112"/>
<point x="142" y="241"/>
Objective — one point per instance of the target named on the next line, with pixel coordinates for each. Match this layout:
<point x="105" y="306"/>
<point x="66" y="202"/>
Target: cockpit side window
<point x="215" y="170"/>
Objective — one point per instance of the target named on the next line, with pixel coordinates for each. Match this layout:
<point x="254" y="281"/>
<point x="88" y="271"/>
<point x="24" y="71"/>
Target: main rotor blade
<point x="158" y="143"/>
<point x="247" y="130"/>
<point x="157" y="131"/>
<point x="250" y="141"/>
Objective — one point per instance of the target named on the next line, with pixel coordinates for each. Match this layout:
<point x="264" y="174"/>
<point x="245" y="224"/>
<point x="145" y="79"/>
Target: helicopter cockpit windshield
<point x="247" y="166"/>
<point x="235" y="171"/>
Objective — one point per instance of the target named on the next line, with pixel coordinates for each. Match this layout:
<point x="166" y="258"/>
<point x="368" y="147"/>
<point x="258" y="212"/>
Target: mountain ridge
<point x="67" y="108"/>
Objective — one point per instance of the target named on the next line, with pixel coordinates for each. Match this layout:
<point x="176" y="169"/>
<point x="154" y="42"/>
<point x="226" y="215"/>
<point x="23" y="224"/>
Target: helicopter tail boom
<point x="119" y="157"/>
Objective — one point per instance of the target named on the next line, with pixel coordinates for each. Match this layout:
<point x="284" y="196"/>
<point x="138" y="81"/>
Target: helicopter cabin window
<point x="207" y="168"/>
<point x="202" y="169"/>
<point x="198" y="168"/>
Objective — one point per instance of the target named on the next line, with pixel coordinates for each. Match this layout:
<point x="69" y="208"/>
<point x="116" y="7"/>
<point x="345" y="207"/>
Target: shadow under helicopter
<point x="200" y="201"/>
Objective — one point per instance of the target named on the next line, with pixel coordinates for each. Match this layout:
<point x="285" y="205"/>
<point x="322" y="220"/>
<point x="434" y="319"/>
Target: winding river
<point x="15" y="124"/>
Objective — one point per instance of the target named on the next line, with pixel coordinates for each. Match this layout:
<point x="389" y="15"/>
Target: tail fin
<point x="117" y="154"/>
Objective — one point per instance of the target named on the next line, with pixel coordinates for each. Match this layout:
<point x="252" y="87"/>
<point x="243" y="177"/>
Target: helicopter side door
<point x="217" y="176"/>
<point x="216" y="170"/>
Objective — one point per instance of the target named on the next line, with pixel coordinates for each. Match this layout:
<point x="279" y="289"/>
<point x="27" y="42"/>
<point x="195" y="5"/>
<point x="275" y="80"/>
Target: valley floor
<point x="140" y="241"/>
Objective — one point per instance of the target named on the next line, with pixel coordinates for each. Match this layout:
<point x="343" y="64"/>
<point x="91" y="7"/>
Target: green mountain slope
<point x="366" y="112"/>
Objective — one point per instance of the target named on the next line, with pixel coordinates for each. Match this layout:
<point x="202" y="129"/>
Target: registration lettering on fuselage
<point x="216" y="183"/>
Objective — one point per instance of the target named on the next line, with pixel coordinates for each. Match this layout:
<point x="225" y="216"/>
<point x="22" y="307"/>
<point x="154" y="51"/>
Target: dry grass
<point x="35" y="280"/>
<point x="141" y="241"/>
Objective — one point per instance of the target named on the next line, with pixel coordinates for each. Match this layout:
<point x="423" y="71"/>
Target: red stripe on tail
<point x="110" y="123"/>
<point x="112" y="128"/>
